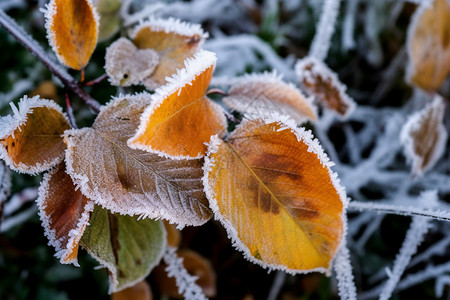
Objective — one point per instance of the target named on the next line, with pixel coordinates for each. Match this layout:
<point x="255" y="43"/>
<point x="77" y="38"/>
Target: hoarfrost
<point x="185" y="282"/>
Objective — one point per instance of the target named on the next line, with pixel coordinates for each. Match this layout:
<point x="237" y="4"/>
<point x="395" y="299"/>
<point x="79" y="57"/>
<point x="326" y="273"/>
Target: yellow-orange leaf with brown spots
<point x="181" y="119"/>
<point x="72" y="30"/>
<point x="271" y="186"/>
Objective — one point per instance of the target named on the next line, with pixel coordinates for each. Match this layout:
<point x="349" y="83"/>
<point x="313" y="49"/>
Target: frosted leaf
<point x="424" y="136"/>
<point x="271" y="186"/>
<point x="129" y="248"/>
<point x="30" y="138"/>
<point x="173" y="40"/>
<point x="324" y="85"/>
<point x="181" y="118"/>
<point x="428" y="45"/>
<point x="64" y="213"/>
<point x="262" y="94"/>
<point x="127" y="65"/>
<point x="130" y="181"/>
<point x="72" y="30"/>
<point x="185" y="282"/>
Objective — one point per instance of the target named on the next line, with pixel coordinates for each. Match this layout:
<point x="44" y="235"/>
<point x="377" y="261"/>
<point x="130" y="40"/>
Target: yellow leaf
<point x="181" y="119"/>
<point x="64" y="213"/>
<point x="72" y="30"/>
<point x="173" y="40"/>
<point x="271" y="186"/>
<point x="321" y="82"/>
<point x="31" y="139"/>
<point x="429" y="45"/>
<point x="260" y="94"/>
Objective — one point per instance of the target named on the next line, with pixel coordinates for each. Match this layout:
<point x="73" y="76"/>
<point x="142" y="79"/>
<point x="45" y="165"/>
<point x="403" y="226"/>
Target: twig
<point x="277" y="284"/>
<point x="73" y="121"/>
<point x="32" y="45"/>
<point x="399" y="210"/>
<point x="96" y="80"/>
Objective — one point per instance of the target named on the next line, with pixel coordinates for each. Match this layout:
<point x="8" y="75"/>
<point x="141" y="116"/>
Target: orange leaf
<point x="429" y="45"/>
<point x="72" y="30"/>
<point x="30" y="140"/>
<point x="259" y="94"/>
<point x="64" y="213"/>
<point x="324" y="85"/>
<point x="181" y="118"/>
<point x="139" y="291"/>
<point x="271" y="186"/>
<point x="174" y="41"/>
<point x="195" y="265"/>
<point x="424" y="136"/>
<point x="133" y="182"/>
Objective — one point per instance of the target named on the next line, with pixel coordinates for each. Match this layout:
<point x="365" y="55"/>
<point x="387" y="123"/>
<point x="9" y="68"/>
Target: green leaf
<point x="129" y="248"/>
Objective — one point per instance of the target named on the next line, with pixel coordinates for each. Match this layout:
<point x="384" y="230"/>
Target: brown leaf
<point x="130" y="181"/>
<point x="72" y="30"/>
<point x="259" y="94"/>
<point x="139" y="291"/>
<point x="64" y="213"/>
<point x="195" y="265"/>
<point x="31" y="139"/>
<point x="324" y="85"/>
<point x="127" y="65"/>
<point x="424" y="136"/>
<point x="429" y="45"/>
<point x="173" y="40"/>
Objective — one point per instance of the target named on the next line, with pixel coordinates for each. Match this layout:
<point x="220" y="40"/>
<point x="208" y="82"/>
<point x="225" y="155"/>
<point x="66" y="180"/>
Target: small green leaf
<point x="129" y="248"/>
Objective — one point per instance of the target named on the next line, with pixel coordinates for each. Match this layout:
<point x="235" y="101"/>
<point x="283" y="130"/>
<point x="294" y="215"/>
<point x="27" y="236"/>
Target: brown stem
<point x="70" y="114"/>
<point x="96" y="80"/>
<point x="33" y="47"/>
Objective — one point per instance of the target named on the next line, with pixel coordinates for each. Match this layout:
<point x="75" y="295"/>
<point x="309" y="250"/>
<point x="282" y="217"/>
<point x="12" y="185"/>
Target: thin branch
<point x="70" y="114"/>
<point x="96" y="80"/>
<point x="277" y="284"/>
<point x="402" y="210"/>
<point x="33" y="47"/>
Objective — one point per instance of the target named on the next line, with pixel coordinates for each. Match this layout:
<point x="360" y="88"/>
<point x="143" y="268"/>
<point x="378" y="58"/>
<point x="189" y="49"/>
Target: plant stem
<point x="33" y="47"/>
<point x="440" y="215"/>
<point x="96" y="80"/>
<point x="70" y="114"/>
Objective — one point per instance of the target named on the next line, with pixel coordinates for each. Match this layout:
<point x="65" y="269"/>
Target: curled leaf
<point x="324" y="85"/>
<point x="424" y="136"/>
<point x="31" y="139"/>
<point x="429" y="45"/>
<point x="127" y="65"/>
<point x="64" y="213"/>
<point x="262" y="94"/>
<point x="181" y="119"/>
<point x="130" y="181"/>
<point x="72" y="30"/>
<point x="174" y="41"/>
<point x="271" y="186"/>
<point x="129" y="248"/>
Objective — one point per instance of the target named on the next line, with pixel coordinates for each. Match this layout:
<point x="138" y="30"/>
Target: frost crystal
<point x="185" y="282"/>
